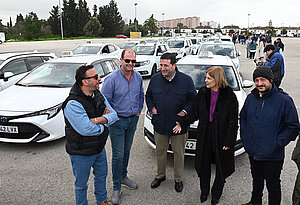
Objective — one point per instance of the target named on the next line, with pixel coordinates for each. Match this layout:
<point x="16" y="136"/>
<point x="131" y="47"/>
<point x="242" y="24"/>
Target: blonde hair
<point x="217" y="73"/>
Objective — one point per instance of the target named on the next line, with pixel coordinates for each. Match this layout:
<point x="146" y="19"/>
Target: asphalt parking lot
<point x="38" y="174"/>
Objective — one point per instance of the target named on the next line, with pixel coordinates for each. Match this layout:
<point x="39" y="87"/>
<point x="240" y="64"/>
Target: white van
<point x="2" y="37"/>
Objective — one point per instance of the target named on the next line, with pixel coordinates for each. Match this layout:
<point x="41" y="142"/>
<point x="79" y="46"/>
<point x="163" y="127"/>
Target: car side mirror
<point x="159" y="54"/>
<point x="247" y="84"/>
<point x="7" y="75"/>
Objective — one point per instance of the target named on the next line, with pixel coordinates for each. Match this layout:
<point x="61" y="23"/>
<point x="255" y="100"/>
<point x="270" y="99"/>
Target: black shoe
<point x="178" y="186"/>
<point x="203" y="198"/>
<point x="214" y="201"/>
<point x="156" y="182"/>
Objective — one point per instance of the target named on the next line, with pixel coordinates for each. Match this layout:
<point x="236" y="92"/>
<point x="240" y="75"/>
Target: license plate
<point x="9" y="129"/>
<point x="190" y="145"/>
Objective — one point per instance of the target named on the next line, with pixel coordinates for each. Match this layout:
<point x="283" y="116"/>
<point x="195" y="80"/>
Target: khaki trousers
<point x="178" y="147"/>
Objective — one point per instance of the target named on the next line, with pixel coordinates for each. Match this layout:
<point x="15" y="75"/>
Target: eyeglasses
<point x="128" y="61"/>
<point x="95" y="76"/>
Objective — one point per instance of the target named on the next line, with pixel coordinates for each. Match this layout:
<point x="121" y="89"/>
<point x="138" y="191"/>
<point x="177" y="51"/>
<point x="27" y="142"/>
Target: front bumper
<point x="34" y="129"/>
<point x="190" y="147"/>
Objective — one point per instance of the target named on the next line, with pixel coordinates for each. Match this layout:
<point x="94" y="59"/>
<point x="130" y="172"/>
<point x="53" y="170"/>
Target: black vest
<point x="85" y="145"/>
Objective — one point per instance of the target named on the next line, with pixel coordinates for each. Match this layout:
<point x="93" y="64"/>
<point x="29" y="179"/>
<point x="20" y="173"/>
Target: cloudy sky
<point x="225" y="12"/>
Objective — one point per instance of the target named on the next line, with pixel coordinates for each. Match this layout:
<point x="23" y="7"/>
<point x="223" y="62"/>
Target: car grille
<point x="26" y="131"/>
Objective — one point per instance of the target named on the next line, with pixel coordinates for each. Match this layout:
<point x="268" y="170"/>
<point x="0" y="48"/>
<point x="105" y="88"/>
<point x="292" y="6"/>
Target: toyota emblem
<point x="3" y="119"/>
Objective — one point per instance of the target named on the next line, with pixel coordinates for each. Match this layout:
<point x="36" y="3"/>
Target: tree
<point x="70" y="18"/>
<point x="180" y="26"/>
<point x="283" y="31"/>
<point x="151" y="25"/>
<point x="95" y="10"/>
<point x="83" y="16"/>
<point x="10" y="22"/>
<point x="32" y="26"/>
<point x="54" y="20"/>
<point x="93" y="27"/>
<point x="111" y="19"/>
<point x="19" y="18"/>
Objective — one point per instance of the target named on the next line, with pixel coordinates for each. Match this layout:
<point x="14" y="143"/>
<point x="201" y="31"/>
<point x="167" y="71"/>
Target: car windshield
<point x="219" y="49"/>
<point x="144" y="50"/>
<point x="197" y="73"/>
<point x="51" y="75"/>
<point x="175" y="44"/>
<point x="127" y="45"/>
<point x="86" y="50"/>
<point x="1" y="61"/>
<point x="152" y="40"/>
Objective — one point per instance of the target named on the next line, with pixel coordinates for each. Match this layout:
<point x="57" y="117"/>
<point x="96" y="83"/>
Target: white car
<point x="224" y="48"/>
<point x="94" y="48"/>
<point x="180" y="46"/>
<point x="196" y="66"/>
<point x="30" y="110"/>
<point x="13" y="66"/>
<point x="148" y="57"/>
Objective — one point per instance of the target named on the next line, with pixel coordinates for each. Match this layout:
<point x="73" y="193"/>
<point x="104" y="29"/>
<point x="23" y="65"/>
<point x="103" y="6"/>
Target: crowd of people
<point x="268" y="122"/>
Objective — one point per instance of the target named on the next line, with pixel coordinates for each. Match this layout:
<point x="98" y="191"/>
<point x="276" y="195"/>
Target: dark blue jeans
<point x="81" y="170"/>
<point x="121" y="136"/>
<point x="269" y="171"/>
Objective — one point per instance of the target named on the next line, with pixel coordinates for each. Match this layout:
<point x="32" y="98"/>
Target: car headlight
<point x="142" y="63"/>
<point x="51" y="112"/>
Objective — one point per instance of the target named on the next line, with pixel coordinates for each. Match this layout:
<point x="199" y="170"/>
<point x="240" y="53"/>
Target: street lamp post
<point x="248" y="23"/>
<point x="162" y="24"/>
<point x="135" y="16"/>
<point x="61" y="23"/>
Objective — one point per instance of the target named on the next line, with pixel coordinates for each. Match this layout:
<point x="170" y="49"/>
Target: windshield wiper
<point x="40" y="85"/>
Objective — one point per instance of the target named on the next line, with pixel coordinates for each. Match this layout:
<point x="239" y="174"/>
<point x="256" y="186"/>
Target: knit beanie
<point x="263" y="71"/>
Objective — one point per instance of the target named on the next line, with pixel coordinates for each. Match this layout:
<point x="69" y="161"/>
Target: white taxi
<point x="224" y="48"/>
<point x="196" y="66"/>
<point x="148" y="57"/>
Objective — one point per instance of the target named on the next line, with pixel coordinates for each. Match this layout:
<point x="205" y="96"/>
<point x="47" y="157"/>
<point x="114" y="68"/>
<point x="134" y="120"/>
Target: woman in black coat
<point x="216" y="108"/>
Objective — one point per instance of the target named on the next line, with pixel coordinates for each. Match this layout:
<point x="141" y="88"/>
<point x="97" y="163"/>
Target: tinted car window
<point x="16" y="67"/>
<point x="197" y="73"/>
<point x="98" y="67"/>
<point x="34" y="62"/>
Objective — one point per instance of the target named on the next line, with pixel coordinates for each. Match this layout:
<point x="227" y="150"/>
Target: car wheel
<point x="0" y="42"/>
<point x="153" y="69"/>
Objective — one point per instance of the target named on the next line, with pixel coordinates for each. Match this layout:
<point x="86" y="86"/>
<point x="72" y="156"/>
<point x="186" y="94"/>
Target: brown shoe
<point x="105" y="202"/>
<point x="249" y="203"/>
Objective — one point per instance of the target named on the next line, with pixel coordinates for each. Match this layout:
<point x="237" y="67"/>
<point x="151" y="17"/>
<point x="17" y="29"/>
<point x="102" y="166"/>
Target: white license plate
<point x="9" y="129"/>
<point x="190" y="145"/>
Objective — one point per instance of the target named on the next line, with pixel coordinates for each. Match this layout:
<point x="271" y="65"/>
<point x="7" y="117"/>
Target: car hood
<point x="30" y="99"/>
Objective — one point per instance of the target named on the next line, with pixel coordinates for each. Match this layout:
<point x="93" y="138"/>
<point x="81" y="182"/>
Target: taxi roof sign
<point x="206" y="54"/>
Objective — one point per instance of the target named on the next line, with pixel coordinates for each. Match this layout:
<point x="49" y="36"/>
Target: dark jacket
<point x="276" y="63"/>
<point x="169" y="98"/>
<point x="268" y="124"/>
<point x="225" y="122"/>
<point x="85" y="145"/>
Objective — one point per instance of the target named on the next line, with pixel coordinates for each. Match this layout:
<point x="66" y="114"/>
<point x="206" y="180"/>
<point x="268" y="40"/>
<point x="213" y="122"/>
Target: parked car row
<point x="39" y="117"/>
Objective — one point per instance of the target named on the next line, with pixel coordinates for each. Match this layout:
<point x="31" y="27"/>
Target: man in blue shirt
<point x="124" y="90"/>
<point x="86" y="111"/>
